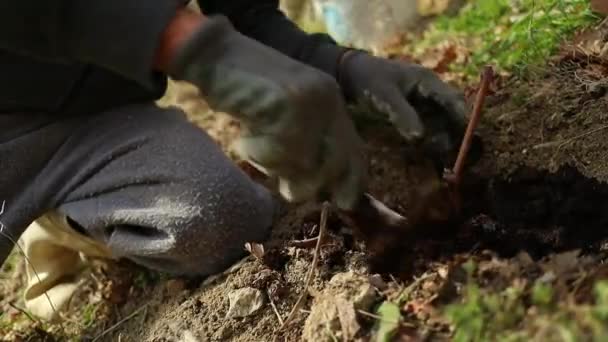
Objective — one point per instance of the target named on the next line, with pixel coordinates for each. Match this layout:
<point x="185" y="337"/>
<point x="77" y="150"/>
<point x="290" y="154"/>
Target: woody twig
<point x="454" y="177"/>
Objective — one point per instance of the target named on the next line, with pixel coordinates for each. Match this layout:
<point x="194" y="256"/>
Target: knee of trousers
<point x="165" y="195"/>
<point x="198" y="237"/>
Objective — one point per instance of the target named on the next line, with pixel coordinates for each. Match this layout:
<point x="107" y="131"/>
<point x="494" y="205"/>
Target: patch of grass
<point x="521" y="313"/>
<point x="89" y="315"/>
<point x="485" y="316"/>
<point x="514" y="35"/>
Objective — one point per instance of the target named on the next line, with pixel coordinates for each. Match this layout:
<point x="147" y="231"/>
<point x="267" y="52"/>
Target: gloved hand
<point x="295" y="122"/>
<point x="423" y="108"/>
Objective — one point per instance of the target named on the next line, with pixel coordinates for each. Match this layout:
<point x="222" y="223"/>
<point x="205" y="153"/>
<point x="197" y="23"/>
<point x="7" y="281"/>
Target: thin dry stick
<point x="382" y="319"/>
<point x="582" y="135"/>
<point x="486" y="78"/>
<point x="378" y="317"/>
<point x="306" y="243"/>
<point x="112" y="328"/>
<point x="406" y="291"/>
<point x="561" y="143"/>
<point x="274" y="308"/>
<point x="27" y="314"/>
<point x="313" y="268"/>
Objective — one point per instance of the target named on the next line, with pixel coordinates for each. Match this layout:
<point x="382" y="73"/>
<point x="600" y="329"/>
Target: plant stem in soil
<point x="455" y="178"/>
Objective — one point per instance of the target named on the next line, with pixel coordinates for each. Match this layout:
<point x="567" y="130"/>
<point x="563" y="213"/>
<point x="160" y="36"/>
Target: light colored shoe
<point x="56" y="256"/>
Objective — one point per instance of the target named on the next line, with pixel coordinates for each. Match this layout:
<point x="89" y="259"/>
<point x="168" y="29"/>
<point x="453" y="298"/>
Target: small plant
<point x="600" y="309"/>
<point x="542" y="295"/>
<point x="388" y="325"/>
<point x="484" y="315"/>
<point x="89" y="315"/>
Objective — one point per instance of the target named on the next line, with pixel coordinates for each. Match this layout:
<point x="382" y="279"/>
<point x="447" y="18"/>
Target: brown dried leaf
<point x="448" y="56"/>
<point x="256" y="249"/>
<point x="587" y="46"/>
<point x="420" y="308"/>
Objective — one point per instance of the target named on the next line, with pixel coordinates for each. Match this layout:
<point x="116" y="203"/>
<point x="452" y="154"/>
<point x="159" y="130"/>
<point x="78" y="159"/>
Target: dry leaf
<point x="418" y="306"/>
<point x="256" y="249"/>
<point x="448" y="56"/>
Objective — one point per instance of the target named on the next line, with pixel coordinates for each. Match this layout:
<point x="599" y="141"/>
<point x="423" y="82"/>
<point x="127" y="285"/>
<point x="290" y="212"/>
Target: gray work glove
<point x="424" y="109"/>
<point x="295" y="122"/>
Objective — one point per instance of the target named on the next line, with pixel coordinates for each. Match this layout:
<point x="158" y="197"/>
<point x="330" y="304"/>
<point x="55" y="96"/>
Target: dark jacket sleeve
<point x="264" y="21"/>
<point x="119" y="35"/>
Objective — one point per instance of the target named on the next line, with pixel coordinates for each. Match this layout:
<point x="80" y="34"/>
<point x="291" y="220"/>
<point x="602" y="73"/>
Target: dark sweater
<point x="79" y="56"/>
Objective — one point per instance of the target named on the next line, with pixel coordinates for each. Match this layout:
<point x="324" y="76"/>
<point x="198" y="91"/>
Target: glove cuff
<point x="206" y="45"/>
<point x="342" y="74"/>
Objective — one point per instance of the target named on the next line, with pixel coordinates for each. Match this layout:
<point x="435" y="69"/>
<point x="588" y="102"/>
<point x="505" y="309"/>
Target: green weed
<point x="89" y="315"/>
<point x="520" y="314"/>
<point x="486" y="316"/>
<point x="514" y="35"/>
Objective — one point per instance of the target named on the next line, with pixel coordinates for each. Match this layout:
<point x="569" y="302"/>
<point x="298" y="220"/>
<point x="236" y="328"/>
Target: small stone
<point x="189" y="337"/>
<point x="377" y="281"/>
<point x="244" y="302"/>
<point x="356" y="288"/>
<point x="443" y="272"/>
<point x="334" y="310"/>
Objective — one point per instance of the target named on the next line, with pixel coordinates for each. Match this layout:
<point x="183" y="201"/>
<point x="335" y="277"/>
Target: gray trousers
<point x="140" y="179"/>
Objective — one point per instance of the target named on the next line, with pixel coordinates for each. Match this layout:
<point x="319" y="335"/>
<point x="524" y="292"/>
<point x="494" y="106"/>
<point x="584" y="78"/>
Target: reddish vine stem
<point x="455" y="177"/>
